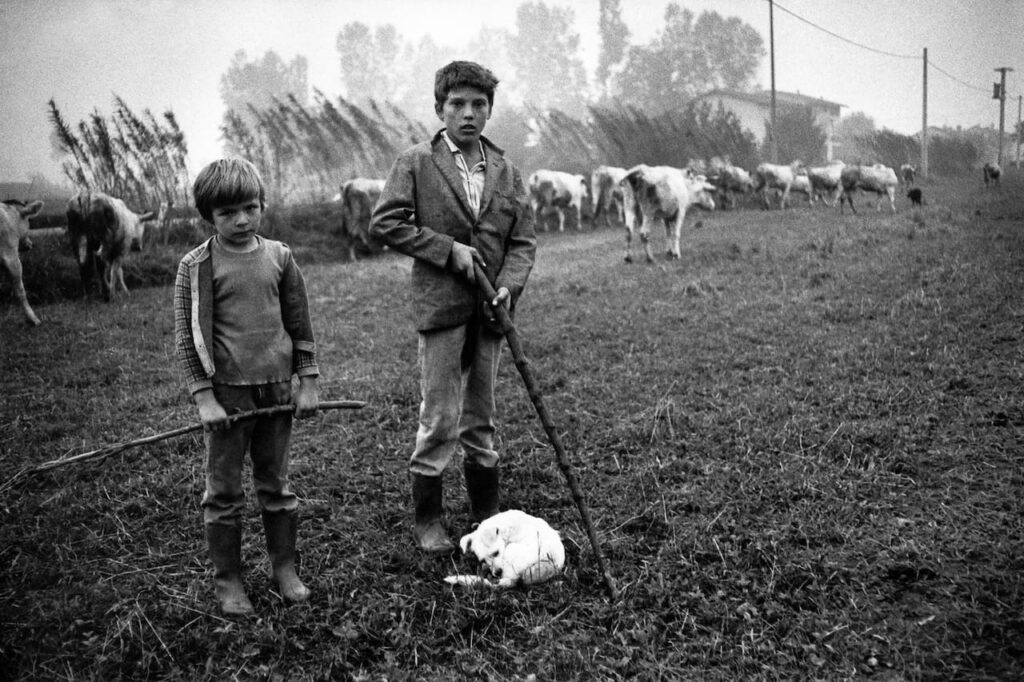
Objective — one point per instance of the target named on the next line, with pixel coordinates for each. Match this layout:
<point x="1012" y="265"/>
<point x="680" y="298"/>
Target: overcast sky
<point x="170" y="54"/>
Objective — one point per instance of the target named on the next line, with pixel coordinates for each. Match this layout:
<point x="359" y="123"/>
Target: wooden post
<point x="924" y="118"/>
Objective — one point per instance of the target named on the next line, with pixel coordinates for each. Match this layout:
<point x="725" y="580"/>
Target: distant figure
<point x="991" y="172"/>
<point x="915" y="196"/>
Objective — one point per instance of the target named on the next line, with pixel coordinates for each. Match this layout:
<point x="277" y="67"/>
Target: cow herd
<point x="101" y="229"/>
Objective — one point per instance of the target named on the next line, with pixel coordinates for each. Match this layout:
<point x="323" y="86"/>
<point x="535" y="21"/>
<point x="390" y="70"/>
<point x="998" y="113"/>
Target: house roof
<point x="764" y="97"/>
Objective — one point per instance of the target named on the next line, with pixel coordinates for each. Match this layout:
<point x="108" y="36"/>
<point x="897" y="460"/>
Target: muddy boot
<point x="482" y="488"/>
<point x="281" y="529"/>
<point x="428" y="531"/>
<point x="225" y="543"/>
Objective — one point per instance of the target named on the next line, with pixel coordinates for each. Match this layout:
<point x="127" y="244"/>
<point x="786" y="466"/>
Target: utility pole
<point x="1020" y="129"/>
<point x="924" y="119"/>
<point x="773" y="141"/>
<point x="1001" y="96"/>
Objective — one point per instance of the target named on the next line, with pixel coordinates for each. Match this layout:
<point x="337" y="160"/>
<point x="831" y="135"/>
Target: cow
<point x="915" y="196"/>
<point x="802" y="185"/>
<point x="770" y="176"/>
<point x="991" y="172"/>
<point x="879" y="179"/>
<point x="825" y="180"/>
<point x="606" y="194"/>
<point x="556" y="191"/>
<point x="14" y="225"/>
<point x="907" y="174"/>
<point x="663" y="193"/>
<point x="358" y="197"/>
<point x="731" y="180"/>
<point x="101" y="230"/>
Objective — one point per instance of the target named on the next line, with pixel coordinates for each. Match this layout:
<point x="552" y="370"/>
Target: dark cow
<point x="663" y="193"/>
<point x="358" y="197"/>
<point x="879" y="179"/>
<point x="915" y="196"/>
<point x="991" y="172"/>
<point x="102" y="229"/>
<point x="14" y="217"/>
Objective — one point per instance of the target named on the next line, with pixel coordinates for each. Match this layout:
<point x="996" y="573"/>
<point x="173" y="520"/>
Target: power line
<point x="852" y="42"/>
<point x="881" y="52"/>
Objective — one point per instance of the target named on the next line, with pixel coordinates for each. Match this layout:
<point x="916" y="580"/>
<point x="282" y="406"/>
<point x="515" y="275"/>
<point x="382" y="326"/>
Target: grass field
<point x="800" y="444"/>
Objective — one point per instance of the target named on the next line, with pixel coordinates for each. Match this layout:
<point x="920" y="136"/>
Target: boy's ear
<point x="438" y="106"/>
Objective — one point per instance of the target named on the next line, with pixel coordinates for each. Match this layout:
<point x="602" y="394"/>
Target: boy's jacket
<point x="424" y="208"/>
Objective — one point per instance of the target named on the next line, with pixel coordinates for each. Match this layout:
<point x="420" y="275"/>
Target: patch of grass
<point x="799" y="443"/>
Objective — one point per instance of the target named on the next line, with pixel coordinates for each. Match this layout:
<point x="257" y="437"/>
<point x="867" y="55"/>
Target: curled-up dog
<point x="516" y="548"/>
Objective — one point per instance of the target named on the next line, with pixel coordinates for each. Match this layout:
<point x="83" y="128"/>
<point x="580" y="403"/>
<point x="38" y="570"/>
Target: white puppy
<point x="516" y="547"/>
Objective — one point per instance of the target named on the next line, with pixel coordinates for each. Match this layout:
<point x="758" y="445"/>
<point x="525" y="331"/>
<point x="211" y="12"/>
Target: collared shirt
<point x="472" y="178"/>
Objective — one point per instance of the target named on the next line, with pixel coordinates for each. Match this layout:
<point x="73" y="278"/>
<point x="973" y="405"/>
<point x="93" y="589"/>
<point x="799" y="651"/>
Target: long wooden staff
<point x="523" y="365"/>
<point x="120" y="447"/>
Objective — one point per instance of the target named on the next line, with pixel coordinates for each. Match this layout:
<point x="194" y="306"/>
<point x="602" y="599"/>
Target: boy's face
<point x="464" y="112"/>
<point x="238" y="224"/>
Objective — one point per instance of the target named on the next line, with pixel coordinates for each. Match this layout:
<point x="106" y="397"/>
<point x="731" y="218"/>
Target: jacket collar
<point x="445" y="161"/>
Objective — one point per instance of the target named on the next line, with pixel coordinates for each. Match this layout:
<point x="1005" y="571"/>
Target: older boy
<point x="450" y="203"/>
<point x="242" y="329"/>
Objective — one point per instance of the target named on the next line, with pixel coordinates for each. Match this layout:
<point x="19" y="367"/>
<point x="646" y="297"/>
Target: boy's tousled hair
<point x="225" y="182"/>
<point x="459" y="74"/>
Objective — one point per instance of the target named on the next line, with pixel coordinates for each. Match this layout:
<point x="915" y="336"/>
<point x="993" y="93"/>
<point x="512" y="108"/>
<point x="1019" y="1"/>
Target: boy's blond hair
<point x="225" y="182"/>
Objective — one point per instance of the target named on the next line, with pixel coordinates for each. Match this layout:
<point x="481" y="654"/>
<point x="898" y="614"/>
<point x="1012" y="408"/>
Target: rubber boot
<point x="482" y="485"/>
<point x="225" y="543"/>
<point x="428" y="530"/>
<point x="282" y="529"/>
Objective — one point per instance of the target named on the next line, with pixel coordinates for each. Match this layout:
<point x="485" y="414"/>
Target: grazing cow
<point x="802" y="185"/>
<point x="907" y="174"/>
<point x="730" y="181"/>
<point x="556" y="191"/>
<point x="101" y="229"/>
<point x="14" y="217"/>
<point x="663" y="193"/>
<point x="358" y="197"/>
<point x="915" y="196"/>
<point x="606" y="194"/>
<point x="991" y="172"/>
<point x="879" y="179"/>
<point x="769" y="176"/>
<point x="825" y="180"/>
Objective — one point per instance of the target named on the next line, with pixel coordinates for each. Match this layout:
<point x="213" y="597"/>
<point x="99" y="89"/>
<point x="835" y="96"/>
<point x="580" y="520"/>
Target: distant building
<point x="754" y="110"/>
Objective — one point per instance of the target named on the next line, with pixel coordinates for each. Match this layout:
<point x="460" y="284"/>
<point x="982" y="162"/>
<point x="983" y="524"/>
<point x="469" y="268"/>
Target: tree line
<point x="641" y="105"/>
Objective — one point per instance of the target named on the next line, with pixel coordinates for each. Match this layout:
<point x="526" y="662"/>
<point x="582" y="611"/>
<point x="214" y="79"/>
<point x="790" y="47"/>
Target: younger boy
<point x="242" y="328"/>
<point x="450" y="203"/>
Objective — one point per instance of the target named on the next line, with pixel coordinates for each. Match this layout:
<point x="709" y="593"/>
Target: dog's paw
<point x="469" y="581"/>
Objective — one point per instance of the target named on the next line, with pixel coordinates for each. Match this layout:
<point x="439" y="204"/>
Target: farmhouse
<point x="753" y="109"/>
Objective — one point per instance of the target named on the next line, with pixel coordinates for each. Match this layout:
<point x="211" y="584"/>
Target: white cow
<point x="606" y="194"/>
<point x="557" y="191"/>
<point x="879" y="179"/>
<point x="663" y="193"/>
<point x="825" y="180"/>
<point x="769" y="176"/>
<point x="730" y="181"/>
<point x="358" y="197"/>
<point x="14" y="217"/>
<point x="101" y="229"/>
